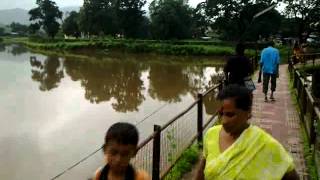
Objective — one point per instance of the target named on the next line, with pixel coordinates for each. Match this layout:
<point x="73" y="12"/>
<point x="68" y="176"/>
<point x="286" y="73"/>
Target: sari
<point x="254" y="155"/>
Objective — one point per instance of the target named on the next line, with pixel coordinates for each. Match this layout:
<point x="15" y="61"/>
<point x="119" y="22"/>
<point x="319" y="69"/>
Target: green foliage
<point x="131" y="17"/>
<point x="234" y="20"/>
<point x="99" y="17"/>
<point x="306" y="16"/>
<point x="109" y="17"/>
<point x="170" y="19"/>
<point x="1" y="31"/>
<point x="19" y="28"/>
<point x="188" y="158"/>
<point x="70" y="25"/>
<point x="200" y="20"/>
<point x="45" y="16"/>
<point x="309" y="157"/>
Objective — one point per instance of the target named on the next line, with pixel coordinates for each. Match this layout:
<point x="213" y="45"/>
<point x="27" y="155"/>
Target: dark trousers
<point x="266" y="79"/>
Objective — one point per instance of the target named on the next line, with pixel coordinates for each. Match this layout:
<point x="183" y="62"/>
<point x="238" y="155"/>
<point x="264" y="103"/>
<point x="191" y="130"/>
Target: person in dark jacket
<point x="238" y="67"/>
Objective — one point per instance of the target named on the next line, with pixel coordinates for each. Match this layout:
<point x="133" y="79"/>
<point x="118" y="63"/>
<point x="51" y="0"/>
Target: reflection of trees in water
<point x="168" y="82"/>
<point x="18" y="50"/>
<point x="47" y="73"/>
<point x="104" y="80"/>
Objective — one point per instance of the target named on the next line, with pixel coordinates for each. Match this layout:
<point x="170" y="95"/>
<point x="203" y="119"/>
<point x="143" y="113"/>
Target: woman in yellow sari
<point x="238" y="150"/>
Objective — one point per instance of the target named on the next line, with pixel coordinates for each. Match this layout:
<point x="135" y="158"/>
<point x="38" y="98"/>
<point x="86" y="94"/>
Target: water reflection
<point x="18" y="50"/>
<point x="168" y="82"/>
<point x="119" y="80"/>
<point x="48" y="73"/>
<point x="104" y="80"/>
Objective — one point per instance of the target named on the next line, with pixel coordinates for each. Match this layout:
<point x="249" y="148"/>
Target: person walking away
<point x="270" y="60"/>
<point x="238" y="67"/>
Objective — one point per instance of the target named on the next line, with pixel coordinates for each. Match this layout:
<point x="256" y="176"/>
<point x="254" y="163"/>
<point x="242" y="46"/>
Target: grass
<point x="188" y="159"/>
<point x="307" y="151"/>
<point x="186" y="48"/>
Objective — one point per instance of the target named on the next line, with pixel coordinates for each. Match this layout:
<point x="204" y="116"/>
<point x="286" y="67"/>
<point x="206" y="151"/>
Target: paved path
<point x="281" y="119"/>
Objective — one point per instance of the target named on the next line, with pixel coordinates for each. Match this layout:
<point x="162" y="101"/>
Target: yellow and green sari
<point x="254" y="155"/>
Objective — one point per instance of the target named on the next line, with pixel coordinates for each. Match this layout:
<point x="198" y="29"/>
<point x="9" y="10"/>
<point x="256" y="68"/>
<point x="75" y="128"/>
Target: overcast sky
<point x="28" y="4"/>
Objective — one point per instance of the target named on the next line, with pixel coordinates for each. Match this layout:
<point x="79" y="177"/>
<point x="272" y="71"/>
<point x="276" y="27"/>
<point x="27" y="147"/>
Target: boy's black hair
<point x="122" y="133"/>
<point x="242" y="96"/>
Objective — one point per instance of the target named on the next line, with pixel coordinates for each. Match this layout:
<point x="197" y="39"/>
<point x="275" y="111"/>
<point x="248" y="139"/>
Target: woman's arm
<point x="292" y="175"/>
<point x="200" y="174"/>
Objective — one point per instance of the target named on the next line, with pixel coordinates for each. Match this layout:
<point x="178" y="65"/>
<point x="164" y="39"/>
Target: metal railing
<point x="162" y="149"/>
<point x="309" y="107"/>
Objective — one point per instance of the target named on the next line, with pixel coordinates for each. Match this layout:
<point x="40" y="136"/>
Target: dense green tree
<point x="306" y="14"/>
<point x="131" y="17"/>
<point x="46" y="15"/>
<point x="99" y="17"/>
<point x="34" y="28"/>
<point x="171" y="19"/>
<point x="234" y="19"/>
<point x="19" y="28"/>
<point x="289" y="27"/>
<point x="1" y="31"/>
<point x="70" y="25"/>
<point x="200" y="20"/>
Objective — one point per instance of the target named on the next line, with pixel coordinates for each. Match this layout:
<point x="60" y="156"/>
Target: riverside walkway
<point x="280" y="118"/>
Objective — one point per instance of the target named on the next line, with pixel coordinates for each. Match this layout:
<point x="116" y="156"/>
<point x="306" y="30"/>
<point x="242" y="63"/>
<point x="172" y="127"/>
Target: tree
<point x="306" y="14"/>
<point x="170" y="19"/>
<point x="99" y="17"/>
<point x="1" y="31"/>
<point x="131" y="17"/>
<point x="46" y="15"/>
<point x="19" y="28"/>
<point x="234" y="19"/>
<point x="200" y="20"/>
<point x="70" y="25"/>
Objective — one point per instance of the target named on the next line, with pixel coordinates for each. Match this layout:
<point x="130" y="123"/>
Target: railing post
<point x="200" y="119"/>
<point x="156" y="153"/>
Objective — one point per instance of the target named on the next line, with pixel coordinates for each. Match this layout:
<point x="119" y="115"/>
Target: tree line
<point x="175" y="19"/>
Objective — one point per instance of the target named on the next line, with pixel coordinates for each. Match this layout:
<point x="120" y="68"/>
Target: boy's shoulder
<point x="142" y="175"/>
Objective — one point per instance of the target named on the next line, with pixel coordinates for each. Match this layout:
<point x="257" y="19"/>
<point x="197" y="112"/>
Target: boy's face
<point x="118" y="155"/>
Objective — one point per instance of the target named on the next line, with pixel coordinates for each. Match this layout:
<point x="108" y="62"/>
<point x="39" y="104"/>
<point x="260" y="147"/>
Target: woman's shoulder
<point x="213" y="131"/>
<point x="142" y="175"/>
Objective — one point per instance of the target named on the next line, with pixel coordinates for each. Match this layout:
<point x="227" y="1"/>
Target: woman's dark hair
<point x="241" y="95"/>
<point x="240" y="48"/>
<point x="122" y="133"/>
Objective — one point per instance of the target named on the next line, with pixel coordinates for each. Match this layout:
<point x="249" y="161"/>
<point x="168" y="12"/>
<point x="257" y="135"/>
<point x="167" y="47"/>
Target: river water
<point x="56" y="109"/>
